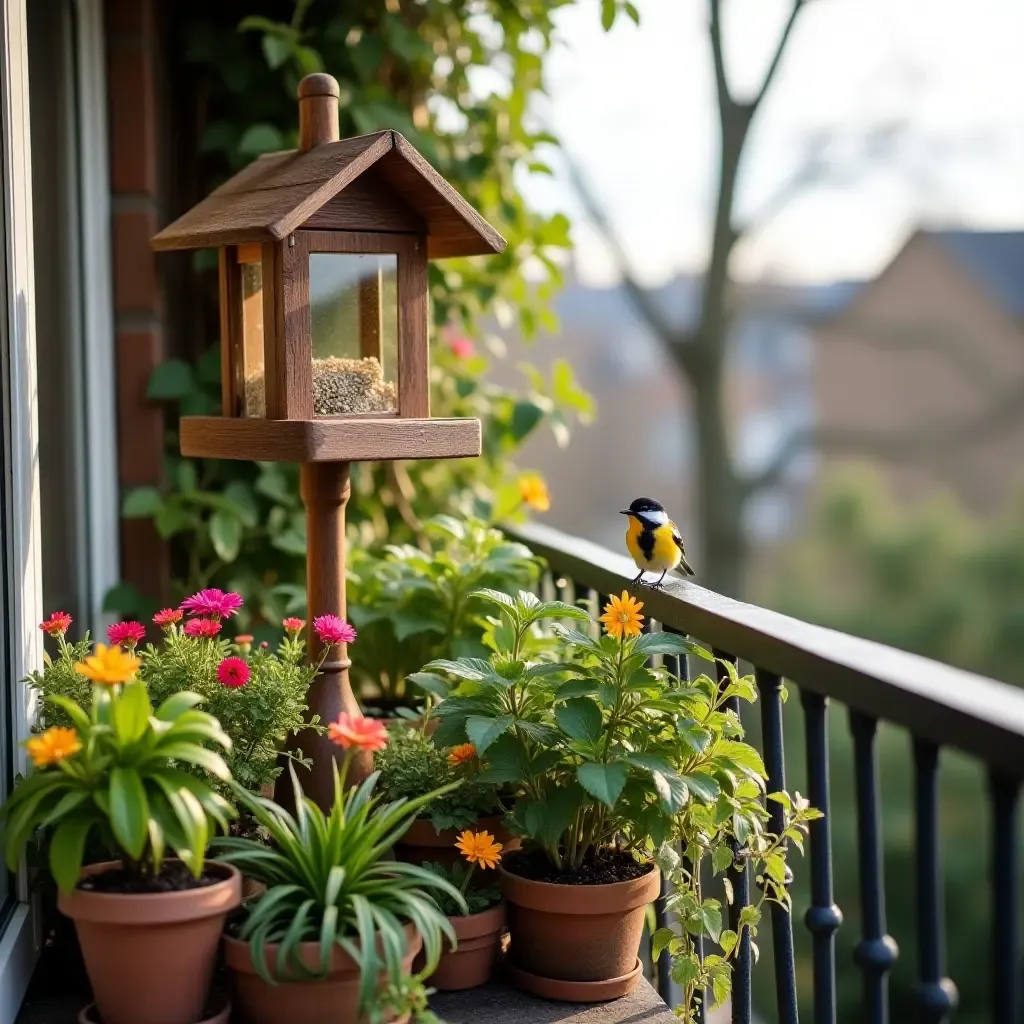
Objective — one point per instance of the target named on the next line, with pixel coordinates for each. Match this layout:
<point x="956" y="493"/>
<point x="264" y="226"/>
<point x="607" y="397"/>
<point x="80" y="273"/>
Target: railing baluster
<point x="876" y="952"/>
<point x="936" y="995"/>
<point x="739" y="877"/>
<point x="770" y="686"/>
<point x="1006" y="894"/>
<point x="823" y="917"/>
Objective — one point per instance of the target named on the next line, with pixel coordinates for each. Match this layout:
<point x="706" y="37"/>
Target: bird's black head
<point x="642" y="505"/>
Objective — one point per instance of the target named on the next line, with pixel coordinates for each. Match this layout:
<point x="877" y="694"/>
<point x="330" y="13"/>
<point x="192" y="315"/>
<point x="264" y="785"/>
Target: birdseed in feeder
<point x="341" y="387"/>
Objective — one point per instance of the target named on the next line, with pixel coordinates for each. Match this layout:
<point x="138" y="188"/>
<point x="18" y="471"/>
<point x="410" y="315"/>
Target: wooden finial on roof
<point x="318" y="110"/>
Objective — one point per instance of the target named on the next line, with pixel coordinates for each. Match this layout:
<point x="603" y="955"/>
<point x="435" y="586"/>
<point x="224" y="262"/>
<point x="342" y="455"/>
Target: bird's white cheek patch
<point x="655" y="518"/>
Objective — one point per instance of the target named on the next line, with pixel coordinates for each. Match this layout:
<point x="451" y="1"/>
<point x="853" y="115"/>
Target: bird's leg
<point x="659" y="583"/>
<point x="639" y="579"/>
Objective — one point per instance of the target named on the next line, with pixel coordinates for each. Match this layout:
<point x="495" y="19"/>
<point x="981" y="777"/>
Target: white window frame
<point x="19" y="943"/>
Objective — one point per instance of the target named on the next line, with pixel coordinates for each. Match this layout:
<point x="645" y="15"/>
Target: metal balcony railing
<point x="938" y="705"/>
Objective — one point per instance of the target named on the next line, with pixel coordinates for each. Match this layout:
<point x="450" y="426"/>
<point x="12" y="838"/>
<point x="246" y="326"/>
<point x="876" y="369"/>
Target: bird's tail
<point x="685" y="566"/>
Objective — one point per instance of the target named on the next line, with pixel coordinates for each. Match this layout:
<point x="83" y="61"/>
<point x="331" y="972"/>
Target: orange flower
<point x="461" y="754"/>
<point x="53" y="745"/>
<point x="479" y="848"/>
<point x="357" y="731"/>
<point x="109" y="665"/>
<point x="534" y="492"/>
<point x="622" y="616"/>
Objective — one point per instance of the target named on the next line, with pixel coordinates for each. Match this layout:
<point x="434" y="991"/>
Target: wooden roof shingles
<point x="279" y="192"/>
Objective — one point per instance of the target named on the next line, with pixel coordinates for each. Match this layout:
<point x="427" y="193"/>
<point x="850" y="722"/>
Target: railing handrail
<point x="935" y="701"/>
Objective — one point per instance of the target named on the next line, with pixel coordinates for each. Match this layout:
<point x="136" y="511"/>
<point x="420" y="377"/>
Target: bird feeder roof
<point x="390" y="187"/>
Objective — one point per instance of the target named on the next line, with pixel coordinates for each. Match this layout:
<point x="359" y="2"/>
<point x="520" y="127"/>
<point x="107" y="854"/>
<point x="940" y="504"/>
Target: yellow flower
<point x="479" y="848"/>
<point x="109" y="665"/>
<point x="461" y="754"/>
<point x="622" y="616"/>
<point x="534" y="492"/>
<point x="53" y="745"/>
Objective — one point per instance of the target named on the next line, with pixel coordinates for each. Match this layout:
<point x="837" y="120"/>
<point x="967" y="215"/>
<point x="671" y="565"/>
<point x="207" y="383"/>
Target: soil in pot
<point x="421" y="843"/>
<point x="470" y="964"/>
<point x="583" y="930"/>
<point x="150" y="950"/>
<point x="330" y="1000"/>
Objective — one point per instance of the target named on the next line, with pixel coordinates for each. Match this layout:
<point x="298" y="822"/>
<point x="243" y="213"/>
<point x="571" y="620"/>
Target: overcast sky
<point x="636" y="109"/>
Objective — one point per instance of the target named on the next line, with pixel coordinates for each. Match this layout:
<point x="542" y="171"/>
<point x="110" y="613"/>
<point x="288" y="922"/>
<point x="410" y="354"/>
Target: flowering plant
<point x="257" y="695"/>
<point x="114" y="772"/>
<point x="411" y="765"/>
<point x="329" y="880"/>
<point x="478" y="849"/>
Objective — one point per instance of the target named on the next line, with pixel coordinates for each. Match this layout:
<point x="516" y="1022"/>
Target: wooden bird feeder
<point x="324" y="330"/>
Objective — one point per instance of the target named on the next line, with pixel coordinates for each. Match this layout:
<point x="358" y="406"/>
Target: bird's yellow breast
<point x="652" y="549"/>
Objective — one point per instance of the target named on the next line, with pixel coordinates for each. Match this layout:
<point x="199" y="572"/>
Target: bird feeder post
<point x="324" y="331"/>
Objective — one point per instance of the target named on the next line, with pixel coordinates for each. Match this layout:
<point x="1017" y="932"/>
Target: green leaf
<point x="482" y="732"/>
<point x="129" y="810"/>
<point x="604" y="781"/>
<point x="141" y="503"/>
<point x="276" y="49"/>
<point x="506" y="761"/>
<point x="525" y="417"/>
<point x="710" y="915"/>
<point x="660" y="941"/>
<point x="67" y="848"/>
<point x="749" y="915"/>
<point x="131" y="712"/>
<point x="608" y="12"/>
<point x="775" y="868"/>
<point x="226" y="535"/>
<point x="632" y="12"/>
<point x="727" y="940"/>
<point x="259" y="139"/>
<point x="703" y="787"/>
<point x="580" y="718"/>
<point x="781" y="798"/>
<point x="171" y="381"/>
<point x="721" y="859"/>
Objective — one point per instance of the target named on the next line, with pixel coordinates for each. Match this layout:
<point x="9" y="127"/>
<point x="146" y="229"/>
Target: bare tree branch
<point x="892" y="446"/>
<point x="721" y="82"/>
<point x="777" y="58"/>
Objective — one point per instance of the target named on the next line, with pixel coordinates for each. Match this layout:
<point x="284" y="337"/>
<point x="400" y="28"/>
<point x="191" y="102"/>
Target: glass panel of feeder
<point x="252" y="340"/>
<point x="353" y="301"/>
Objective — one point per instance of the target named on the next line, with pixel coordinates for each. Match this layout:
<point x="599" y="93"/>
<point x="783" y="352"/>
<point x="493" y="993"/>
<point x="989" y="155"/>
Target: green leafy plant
<point x="115" y="771"/>
<point x="416" y="603"/>
<point x="329" y="881"/>
<point x="477" y="898"/>
<point x="411" y="765"/>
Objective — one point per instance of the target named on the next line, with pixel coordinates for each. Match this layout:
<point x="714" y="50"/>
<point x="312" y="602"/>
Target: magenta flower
<point x="233" y="672"/>
<point x="127" y="634"/>
<point x="333" y="630"/>
<point x="213" y="603"/>
<point x="57" y="624"/>
<point x="168" y="617"/>
<point x="202" y="627"/>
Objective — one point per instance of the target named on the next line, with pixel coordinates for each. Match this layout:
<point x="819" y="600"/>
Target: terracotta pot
<point x="471" y="962"/>
<point x="150" y="957"/>
<point x="90" y="1015"/>
<point x="421" y="843"/>
<point x="584" y="935"/>
<point x="330" y="1000"/>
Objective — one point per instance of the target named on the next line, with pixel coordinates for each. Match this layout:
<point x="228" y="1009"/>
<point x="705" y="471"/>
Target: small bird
<point x="653" y="540"/>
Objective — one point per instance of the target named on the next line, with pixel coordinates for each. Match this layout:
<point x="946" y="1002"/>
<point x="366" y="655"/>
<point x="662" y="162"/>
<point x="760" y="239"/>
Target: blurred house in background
<point x="927" y="361"/>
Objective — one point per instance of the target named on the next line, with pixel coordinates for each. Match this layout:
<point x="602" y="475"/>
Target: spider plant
<point x="328" y="881"/>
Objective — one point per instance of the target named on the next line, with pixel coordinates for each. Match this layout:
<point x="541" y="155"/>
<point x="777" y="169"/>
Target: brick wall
<point x="132" y="70"/>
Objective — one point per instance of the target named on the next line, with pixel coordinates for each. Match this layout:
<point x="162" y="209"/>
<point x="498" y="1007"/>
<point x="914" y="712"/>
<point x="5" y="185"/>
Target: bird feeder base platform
<point x="357" y="439"/>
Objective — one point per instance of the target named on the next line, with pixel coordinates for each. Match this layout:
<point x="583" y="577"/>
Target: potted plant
<point x="335" y="935"/>
<point x="411" y="765"/>
<point x="149" y="926"/>
<point x="478" y="928"/>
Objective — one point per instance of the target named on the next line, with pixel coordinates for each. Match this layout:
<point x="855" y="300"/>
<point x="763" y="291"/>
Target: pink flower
<point x="333" y="630"/>
<point x="212" y="603"/>
<point x="244" y="638"/>
<point x="233" y="672"/>
<point x="356" y="731"/>
<point x="462" y="348"/>
<point x="202" y="627"/>
<point x="264" y="645"/>
<point x="293" y="626"/>
<point x="127" y="634"/>
<point x="168" y="617"/>
<point x="57" y="624"/>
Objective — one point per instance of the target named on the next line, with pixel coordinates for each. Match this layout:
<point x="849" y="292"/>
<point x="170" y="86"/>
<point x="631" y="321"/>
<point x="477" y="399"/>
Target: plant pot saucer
<point x="575" y="991"/>
<point x="90" y="1016"/>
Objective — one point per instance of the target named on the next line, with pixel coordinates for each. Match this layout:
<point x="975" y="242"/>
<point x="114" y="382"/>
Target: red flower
<point x="293" y="626"/>
<point x="168" y="617"/>
<point x="333" y="630"/>
<point x="244" y="638"/>
<point x="356" y="731"/>
<point x="127" y="634"/>
<point x="233" y="672"/>
<point x="202" y="627"/>
<point x="212" y="603"/>
<point x="57" y="624"/>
